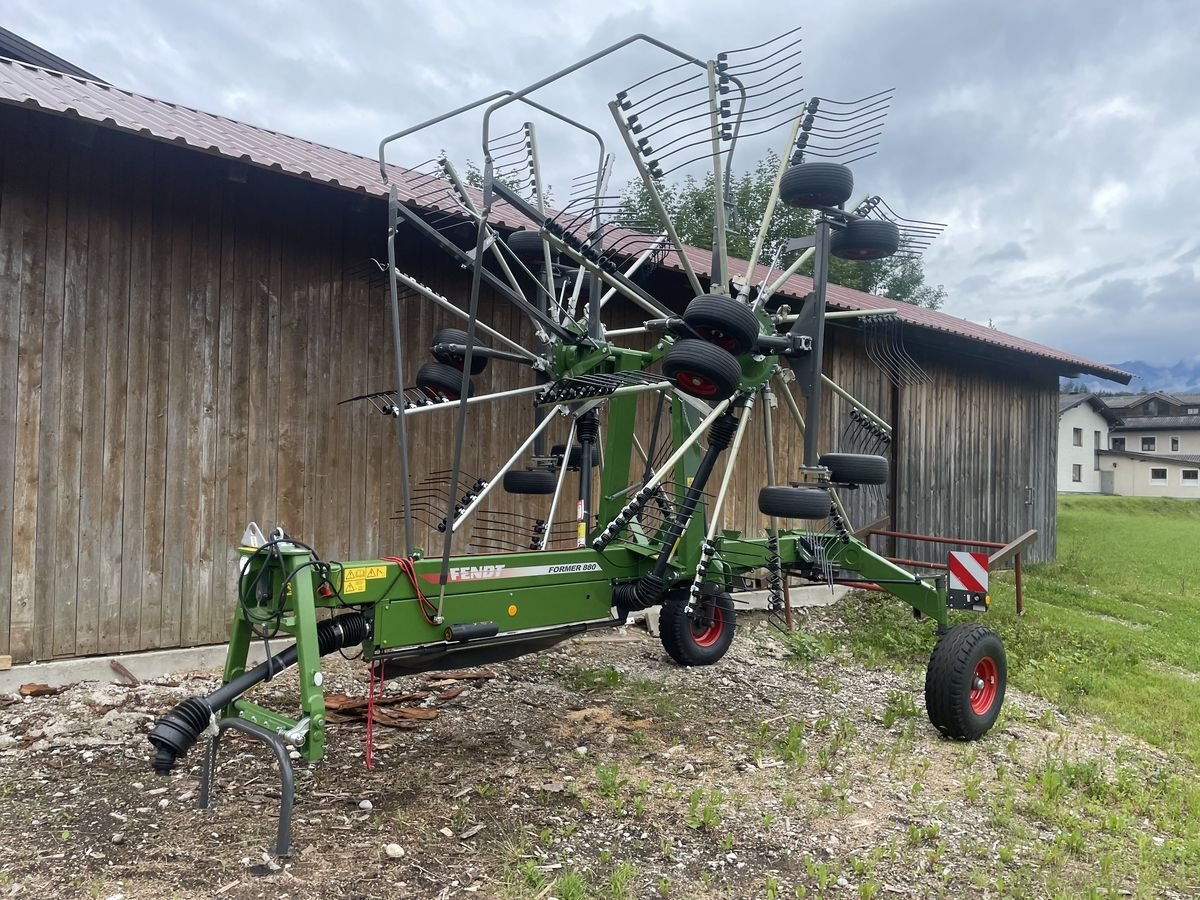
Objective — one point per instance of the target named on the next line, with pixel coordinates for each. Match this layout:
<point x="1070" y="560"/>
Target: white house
<point x="1083" y="426"/>
<point x="1128" y="473"/>
<point x="1168" y="424"/>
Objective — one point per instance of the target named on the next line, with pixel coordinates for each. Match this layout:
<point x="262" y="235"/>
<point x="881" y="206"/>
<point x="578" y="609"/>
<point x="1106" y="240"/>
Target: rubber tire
<point x="723" y="321"/>
<point x="456" y="336"/>
<point x="442" y="381"/>
<point x="950" y="675"/>
<point x="530" y="481"/>
<point x="814" y="184"/>
<point x="692" y="359"/>
<point x="675" y="628"/>
<point x="855" y="468"/>
<point x="786" y="502"/>
<point x="865" y="240"/>
<point x="527" y="247"/>
<point x="574" y="461"/>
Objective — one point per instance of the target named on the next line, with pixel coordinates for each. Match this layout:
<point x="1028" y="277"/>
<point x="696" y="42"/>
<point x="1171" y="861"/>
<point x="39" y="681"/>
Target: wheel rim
<point x="718" y="337"/>
<point x="985" y="683"/>
<point x="707" y="624"/>
<point x="697" y="384"/>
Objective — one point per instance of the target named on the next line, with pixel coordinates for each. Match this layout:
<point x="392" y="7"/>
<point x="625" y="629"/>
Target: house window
<point x="1158" y="476"/>
<point x="1149" y="444"/>
<point x="1190" y="477"/>
<point x="1077" y="472"/>
<point x="1096" y="438"/>
<point x="1174" y="445"/>
<point x="1194" y="410"/>
<point x="1118" y="443"/>
<point x="1077" y="437"/>
<point x="1156" y="408"/>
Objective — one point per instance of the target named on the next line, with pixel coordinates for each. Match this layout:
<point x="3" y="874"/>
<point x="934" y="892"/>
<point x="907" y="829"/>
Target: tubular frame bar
<point x="467" y="259"/>
<point x="498" y="477"/>
<point x="428" y="293"/>
<point x="398" y="354"/>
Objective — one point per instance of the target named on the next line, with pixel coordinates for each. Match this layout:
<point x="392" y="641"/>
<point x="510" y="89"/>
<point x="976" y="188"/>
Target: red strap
<point x="371" y="712"/>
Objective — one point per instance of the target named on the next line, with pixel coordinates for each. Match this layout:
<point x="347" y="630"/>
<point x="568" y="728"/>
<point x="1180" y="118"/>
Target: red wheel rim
<point x="985" y="683"/>
<point x="706" y="631"/>
<point x="717" y="336"/>
<point x="696" y="384"/>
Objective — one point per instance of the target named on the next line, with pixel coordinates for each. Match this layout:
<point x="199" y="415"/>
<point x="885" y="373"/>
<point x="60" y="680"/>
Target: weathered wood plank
<point x="49" y="438"/>
<point x="18" y="635"/>
<point x="71" y="411"/>
<point x="16" y="197"/>
<point x="116" y="398"/>
<point x="96" y="314"/>
<point x="141" y="298"/>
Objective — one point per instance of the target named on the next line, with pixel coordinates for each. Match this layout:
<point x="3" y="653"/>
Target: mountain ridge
<point x="1181" y="377"/>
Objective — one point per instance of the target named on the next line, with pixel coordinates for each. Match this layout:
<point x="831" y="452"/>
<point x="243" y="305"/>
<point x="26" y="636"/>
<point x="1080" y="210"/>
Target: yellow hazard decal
<point x="354" y="581"/>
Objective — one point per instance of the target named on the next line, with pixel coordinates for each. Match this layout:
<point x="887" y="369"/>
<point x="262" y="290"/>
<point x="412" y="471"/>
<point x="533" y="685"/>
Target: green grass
<point x="1111" y="628"/>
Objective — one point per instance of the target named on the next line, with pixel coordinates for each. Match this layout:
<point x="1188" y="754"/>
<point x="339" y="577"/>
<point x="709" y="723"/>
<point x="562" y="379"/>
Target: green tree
<point x="690" y="204"/>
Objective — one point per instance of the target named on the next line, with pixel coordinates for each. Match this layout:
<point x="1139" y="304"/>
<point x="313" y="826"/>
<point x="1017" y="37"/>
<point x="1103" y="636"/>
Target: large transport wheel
<point x="527" y="247"/>
<point x="441" y="381"/>
<point x="855" y="468"/>
<point x="812" y="184"/>
<point x="723" y="321"/>
<point x="701" y="638"/>
<point x="530" y="481"/>
<point x="702" y="370"/>
<point x="794" y="502"/>
<point x="863" y="239"/>
<point x="965" y="681"/>
<point x="456" y="358"/>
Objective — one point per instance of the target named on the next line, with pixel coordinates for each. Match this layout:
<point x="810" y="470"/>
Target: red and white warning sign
<point x="968" y="581"/>
<point x="968" y="572"/>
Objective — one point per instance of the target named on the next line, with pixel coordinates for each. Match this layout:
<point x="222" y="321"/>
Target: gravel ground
<point x="594" y="769"/>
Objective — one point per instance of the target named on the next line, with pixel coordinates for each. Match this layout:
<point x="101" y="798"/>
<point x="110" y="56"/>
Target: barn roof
<point x="33" y="87"/>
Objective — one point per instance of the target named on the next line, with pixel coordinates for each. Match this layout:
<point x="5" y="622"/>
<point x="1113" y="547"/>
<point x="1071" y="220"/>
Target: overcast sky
<point x="1060" y="141"/>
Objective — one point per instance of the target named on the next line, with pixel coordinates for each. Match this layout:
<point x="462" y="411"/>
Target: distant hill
<point x="1183" y="376"/>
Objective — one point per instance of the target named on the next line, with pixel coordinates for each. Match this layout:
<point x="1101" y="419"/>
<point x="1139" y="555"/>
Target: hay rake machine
<point x="643" y="504"/>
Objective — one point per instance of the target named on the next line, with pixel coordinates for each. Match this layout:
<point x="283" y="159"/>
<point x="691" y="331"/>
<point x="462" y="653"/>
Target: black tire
<point x="788" y="502"/>
<point x="703" y="370"/>
<point x="530" y="481"/>
<point x="723" y="321"/>
<point x="441" y="381"/>
<point x="807" y="185"/>
<point x="855" y="468"/>
<point x="965" y="681"/>
<point x="865" y="239"/>
<point x="527" y="247"/>
<point x="574" y="461"/>
<point x="699" y="639"/>
<point x="456" y="336"/>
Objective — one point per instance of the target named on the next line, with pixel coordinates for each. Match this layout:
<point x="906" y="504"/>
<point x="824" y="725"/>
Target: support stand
<point x="287" y="794"/>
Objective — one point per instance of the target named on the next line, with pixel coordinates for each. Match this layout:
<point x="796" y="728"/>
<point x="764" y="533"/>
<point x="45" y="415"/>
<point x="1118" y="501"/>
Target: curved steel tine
<point x="780" y="68"/>
<point x="765" y="43"/>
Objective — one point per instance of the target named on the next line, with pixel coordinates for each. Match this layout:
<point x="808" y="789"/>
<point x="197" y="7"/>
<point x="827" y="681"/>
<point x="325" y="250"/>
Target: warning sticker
<point x="354" y="581"/>
<point x="365" y="572"/>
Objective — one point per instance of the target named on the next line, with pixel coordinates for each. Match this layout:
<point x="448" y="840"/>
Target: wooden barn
<point x="185" y="299"/>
